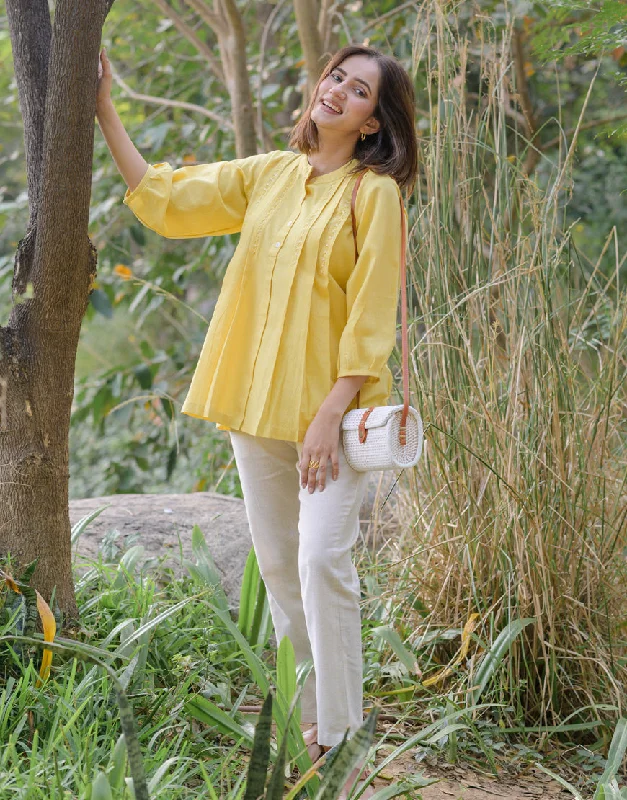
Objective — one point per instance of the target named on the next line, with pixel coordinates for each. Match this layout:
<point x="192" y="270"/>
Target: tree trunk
<point x="232" y="42"/>
<point x="57" y="261"/>
<point x="307" y="19"/>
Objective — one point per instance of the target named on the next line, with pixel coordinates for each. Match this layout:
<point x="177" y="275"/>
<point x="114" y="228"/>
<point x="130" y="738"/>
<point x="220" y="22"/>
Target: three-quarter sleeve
<point x="372" y="288"/>
<point x="199" y="200"/>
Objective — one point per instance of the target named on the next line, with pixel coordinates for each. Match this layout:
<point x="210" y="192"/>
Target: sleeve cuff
<point x="129" y="195"/>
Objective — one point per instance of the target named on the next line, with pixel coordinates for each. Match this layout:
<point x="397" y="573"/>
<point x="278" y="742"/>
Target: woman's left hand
<point x="321" y="443"/>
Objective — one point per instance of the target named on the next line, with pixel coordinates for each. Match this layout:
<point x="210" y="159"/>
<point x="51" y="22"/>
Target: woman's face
<point x="347" y="98"/>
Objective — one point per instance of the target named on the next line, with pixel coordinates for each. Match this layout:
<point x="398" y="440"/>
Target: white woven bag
<point x="385" y="437"/>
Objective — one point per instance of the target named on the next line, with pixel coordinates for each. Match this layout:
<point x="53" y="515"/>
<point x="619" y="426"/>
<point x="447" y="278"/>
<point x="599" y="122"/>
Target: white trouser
<point x="303" y="543"/>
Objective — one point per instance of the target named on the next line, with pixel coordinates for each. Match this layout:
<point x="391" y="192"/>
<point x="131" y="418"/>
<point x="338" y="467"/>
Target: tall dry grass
<point x="519" y="367"/>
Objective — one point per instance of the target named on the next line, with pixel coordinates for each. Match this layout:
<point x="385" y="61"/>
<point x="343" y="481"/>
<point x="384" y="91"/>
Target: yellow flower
<point x="123" y="271"/>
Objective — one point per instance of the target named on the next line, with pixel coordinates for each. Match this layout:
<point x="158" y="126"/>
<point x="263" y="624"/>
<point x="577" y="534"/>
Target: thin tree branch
<point x="211" y="18"/>
<point x="262" y="53"/>
<point x="390" y="14"/>
<point x="524" y="98"/>
<point x="233" y="52"/>
<point x="190" y="34"/>
<point x="307" y="14"/>
<point x="585" y="126"/>
<point x="162" y="101"/>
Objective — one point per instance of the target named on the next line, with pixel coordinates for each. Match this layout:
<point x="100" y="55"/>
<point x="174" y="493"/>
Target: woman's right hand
<point x="105" y="79"/>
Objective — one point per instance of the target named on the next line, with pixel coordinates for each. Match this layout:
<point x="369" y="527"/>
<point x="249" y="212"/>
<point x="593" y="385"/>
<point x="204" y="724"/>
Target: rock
<point x="163" y="524"/>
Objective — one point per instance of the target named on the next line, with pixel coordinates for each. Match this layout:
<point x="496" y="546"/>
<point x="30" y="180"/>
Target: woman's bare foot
<point x="310" y="737"/>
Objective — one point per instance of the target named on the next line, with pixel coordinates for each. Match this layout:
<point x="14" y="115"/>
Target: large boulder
<point x="163" y="524"/>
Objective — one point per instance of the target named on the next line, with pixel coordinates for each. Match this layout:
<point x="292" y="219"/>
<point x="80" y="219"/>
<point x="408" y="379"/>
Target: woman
<point x="301" y="332"/>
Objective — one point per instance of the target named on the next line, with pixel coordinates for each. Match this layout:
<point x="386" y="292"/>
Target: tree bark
<point x="38" y="346"/>
<point x="226" y="22"/>
<point x="233" y="54"/>
<point x="307" y="19"/>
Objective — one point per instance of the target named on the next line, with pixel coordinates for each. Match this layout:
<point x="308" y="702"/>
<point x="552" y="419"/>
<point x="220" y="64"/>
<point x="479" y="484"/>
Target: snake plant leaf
<point x="276" y="786"/>
<point x="406" y="787"/>
<point x="348" y="757"/>
<point x="27" y="574"/>
<point x="260" y="756"/>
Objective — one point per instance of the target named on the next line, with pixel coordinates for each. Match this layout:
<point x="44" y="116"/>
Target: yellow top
<point x="295" y="311"/>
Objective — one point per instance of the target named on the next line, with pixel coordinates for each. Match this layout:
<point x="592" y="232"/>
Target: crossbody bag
<point x="385" y="437"/>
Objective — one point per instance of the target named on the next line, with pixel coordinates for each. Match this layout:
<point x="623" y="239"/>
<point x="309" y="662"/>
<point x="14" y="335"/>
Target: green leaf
<point x="80" y="526"/>
<point x="260" y="756"/>
<point x="168" y="407"/>
<point x="276" y="787"/>
<point x="205" y="711"/>
<point x="118" y="763"/>
<point x="248" y="594"/>
<point x="143" y="375"/>
<point x="616" y="754"/>
<point x="349" y="755"/>
<point x="406" y="657"/>
<point x="494" y="656"/>
<point x="171" y="462"/>
<point x="204" y="570"/>
<point x="286" y="671"/>
<point x="148" y="626"/>
<point x="100" y="301"/>
<point x="100" y="788"/>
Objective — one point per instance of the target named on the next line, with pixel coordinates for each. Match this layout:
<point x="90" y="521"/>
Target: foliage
<point x="572" y="26"/>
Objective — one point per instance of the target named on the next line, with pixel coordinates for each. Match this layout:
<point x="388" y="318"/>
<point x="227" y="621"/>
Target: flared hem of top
<point x="224" y="422"/>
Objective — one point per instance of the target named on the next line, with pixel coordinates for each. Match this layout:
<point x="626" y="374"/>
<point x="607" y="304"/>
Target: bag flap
<point x="379" y="417"/>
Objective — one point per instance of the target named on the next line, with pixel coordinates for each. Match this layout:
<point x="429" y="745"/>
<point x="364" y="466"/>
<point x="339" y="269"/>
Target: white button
<point x="277" y="244"/>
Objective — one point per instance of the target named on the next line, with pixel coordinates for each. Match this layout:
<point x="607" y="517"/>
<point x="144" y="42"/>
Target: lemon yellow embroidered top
<point x="295" y="311"/>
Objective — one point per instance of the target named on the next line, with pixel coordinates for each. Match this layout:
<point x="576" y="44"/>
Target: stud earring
<point x="363" y="137"/>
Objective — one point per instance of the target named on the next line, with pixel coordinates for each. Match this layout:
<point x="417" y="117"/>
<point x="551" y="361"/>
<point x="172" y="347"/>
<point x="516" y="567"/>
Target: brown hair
<point x="393" y="150"/>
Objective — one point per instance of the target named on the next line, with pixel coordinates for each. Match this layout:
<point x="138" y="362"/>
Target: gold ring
<point x="314" y="464"/>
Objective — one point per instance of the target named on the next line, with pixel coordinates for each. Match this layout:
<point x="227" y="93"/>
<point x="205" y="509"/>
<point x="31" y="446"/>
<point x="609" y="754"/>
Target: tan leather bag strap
<point x="404" y="336"/>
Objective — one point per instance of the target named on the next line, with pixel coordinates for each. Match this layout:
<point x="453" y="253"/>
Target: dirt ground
<point x="461" y="783"/>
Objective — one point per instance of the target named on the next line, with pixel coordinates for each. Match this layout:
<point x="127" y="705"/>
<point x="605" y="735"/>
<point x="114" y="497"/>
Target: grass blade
<point x="405" y="656"/>
<point x="205" y="711"/>
<point x="616" y="754"/>
<point x="494" y="656"/>
<point x="80" y="526"/>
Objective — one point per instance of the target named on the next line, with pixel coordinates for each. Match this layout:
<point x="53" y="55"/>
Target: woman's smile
<point x="330" y="106"/>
